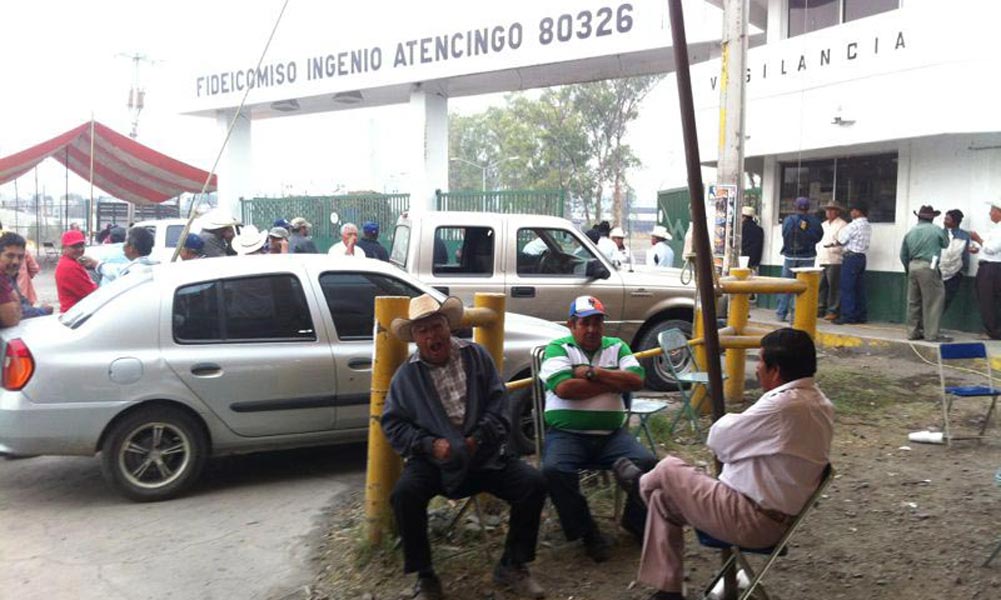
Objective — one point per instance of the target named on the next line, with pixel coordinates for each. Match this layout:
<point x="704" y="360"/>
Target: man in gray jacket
<point x="447" y="414"/>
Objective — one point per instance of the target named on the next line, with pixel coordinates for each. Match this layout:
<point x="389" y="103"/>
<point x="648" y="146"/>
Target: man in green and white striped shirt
<point x="587" y="376"/>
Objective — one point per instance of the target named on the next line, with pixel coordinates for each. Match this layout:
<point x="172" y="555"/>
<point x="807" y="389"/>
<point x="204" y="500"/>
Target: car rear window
<point x="245" y="309"/>
<point x="95" y="301"/>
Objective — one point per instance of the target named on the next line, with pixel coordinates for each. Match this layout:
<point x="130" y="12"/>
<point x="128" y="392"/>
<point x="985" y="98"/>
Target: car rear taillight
<point x="18" y="365"/>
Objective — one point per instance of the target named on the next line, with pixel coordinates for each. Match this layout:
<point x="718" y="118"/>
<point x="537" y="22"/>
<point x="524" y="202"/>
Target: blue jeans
<point x="853" y="289"/>
<point x="565" y="453"/>
<point x="787" y="304"/>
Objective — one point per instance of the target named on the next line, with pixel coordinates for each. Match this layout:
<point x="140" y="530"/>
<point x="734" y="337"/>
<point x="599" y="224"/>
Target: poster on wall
<point x="723" y="199"/>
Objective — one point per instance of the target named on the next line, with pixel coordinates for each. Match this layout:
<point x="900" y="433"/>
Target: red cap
<point x="73" y="237"/>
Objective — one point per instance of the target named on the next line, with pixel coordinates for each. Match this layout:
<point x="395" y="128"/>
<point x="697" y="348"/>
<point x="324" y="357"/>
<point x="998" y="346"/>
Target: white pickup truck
<point x="541" y="263"/>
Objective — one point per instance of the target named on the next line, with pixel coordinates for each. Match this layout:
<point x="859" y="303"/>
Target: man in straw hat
<point x="829" y="258"/>
<point x="989" y="273"/>
<point x="218" y="231"/>
<point x="250" y="241"/>
<point x="447" y="414"/>
<point x="920" y="253"/>
<point x="660" y="255"/>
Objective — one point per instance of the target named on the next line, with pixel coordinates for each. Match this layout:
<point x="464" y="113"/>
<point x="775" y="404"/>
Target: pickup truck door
<point x="547" y="268"/>
<point x="466" y="259"/>
<point x="250" y="349"/>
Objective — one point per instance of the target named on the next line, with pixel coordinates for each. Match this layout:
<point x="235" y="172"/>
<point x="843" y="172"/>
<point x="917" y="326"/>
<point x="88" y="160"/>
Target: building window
<point x="871" y="180"/>
<point x="810" y="15"/>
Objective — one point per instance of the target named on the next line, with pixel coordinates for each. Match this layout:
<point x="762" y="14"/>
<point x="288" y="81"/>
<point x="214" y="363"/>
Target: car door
<point x="551" y="266"/>
<point x="350" y="303"/>
<point x="248" y="348"/>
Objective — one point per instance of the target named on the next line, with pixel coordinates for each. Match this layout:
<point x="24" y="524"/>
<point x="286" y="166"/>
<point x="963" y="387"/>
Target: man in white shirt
<point x="773" y="455"/>
<point x="622" y="252"/>
<point x="989" y="273"/>
<point x="348" y="244"/>
<point x="829" y="257"/>
<point x="660" y="255"/>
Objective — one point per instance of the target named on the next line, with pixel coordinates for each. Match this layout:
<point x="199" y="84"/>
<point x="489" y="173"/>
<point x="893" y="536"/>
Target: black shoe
<point x="428" y="588"/>
<point x="519" y="580"/>
<point x="940" y="339"/>
<point x="597" y="546"/>
<point x="627" y="475"/>
<point x="662" y="595"/>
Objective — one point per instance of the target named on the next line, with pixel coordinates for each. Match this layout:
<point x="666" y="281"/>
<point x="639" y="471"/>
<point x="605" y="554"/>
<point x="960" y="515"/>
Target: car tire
<point x="658" y="375"/>
<point x="154" y="453"/>
<point x="522" y="439"/>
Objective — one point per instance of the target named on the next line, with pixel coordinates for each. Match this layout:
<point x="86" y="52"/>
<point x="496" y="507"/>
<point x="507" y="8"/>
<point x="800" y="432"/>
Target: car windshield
<point x="83" y="309"/>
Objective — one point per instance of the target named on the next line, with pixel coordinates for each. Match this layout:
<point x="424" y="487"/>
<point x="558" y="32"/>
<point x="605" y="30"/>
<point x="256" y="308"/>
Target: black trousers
<point x="518" y="484"/>
<point x="951" y="289"/>
<point x="989" y="297"/>
<point x="566" y="452"/>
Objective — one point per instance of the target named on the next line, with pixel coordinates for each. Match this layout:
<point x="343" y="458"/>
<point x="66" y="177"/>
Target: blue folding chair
<point x="974" y="353"/>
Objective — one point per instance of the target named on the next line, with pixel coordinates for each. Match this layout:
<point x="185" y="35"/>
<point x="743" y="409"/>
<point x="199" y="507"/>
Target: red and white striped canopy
<point x="123" y="167"/>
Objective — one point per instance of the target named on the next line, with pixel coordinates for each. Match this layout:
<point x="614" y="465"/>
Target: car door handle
<point x="523" y="291"/>
<point x="205" y="369"/>
<point x="360" y="364"/>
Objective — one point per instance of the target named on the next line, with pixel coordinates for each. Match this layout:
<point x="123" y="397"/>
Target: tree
<point x="570" y="138"/>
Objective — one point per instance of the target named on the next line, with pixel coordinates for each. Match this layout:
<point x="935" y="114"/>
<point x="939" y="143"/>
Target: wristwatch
<point x="590" y="374"/>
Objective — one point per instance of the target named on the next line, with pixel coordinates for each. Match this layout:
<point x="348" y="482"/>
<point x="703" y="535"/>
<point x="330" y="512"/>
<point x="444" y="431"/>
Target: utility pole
<point x="730" y="166"/>
<point x="137" y="94"/>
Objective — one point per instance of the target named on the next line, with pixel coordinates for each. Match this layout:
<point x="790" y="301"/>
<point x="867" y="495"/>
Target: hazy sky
<point x="61" y="62"/>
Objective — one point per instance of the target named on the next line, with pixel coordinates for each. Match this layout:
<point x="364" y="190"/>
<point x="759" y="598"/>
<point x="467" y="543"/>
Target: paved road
<point x="247" y="530"/>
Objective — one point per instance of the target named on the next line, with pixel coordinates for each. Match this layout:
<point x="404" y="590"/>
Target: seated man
<point x="773" y="456"/>
<point x="586" y="375"/>
<point x="446" y="413"/>
<point x="12" y="255"/>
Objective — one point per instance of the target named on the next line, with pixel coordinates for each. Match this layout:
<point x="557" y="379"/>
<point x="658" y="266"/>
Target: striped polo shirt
<point x="603" y="413"/>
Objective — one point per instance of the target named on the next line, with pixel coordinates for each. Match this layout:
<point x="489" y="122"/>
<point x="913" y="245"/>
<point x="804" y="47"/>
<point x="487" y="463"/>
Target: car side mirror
<point x="596" y="270"/>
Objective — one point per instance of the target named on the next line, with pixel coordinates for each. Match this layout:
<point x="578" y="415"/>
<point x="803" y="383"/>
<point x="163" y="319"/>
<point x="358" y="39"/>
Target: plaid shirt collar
<point x="457" y="344"/>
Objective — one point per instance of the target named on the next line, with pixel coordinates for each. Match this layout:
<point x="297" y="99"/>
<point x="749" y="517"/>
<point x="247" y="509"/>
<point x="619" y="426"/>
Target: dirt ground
<point x="901" y="520"/>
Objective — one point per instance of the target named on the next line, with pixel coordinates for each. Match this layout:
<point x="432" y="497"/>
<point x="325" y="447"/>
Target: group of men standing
<point x="446" y="414"/>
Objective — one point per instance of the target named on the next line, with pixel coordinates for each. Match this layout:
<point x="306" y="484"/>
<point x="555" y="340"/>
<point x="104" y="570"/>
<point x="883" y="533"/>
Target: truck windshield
<point x="401" y="243"/>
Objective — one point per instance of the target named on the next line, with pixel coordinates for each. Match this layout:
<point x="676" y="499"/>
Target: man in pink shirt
<point x="773" y="455"/>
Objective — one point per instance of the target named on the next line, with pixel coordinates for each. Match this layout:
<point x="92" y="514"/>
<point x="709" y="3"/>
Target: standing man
<point x="752" y="238"/>
<point x="660" y="255"/>
<point x="370" y="241"/>
<point x="348" y="246"/>
<point x="989" y="273"/>
<point x="956" y="257"/>
<point x="447" y="414"/>
<point x="773" y="454"/>
<point x="800" y="233"/>
<point x="218" y="231"/>
<point x="299" y="240"/>
<point x="854" y="238"/>
<point x="919" y="253"/>
<point x="622" y="253"/>
<point x="605" y="245"/>
<point x="829" y="257"/>
<point x="72" y="280"/>
<point x="12" y="257"/>
<point x="278" y="240"/>
<point x="586" y="376"/>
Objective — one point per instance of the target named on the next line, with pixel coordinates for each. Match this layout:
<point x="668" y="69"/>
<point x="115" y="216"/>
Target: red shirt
<point x="6" y="290"/>
<point x="72" y="282"/>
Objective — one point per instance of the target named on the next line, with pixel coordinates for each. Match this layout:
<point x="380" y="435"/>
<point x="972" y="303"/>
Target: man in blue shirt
<point x="801" y="232"/>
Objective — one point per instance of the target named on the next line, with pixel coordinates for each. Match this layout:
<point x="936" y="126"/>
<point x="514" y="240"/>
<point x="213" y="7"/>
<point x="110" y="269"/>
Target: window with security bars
<point x="871" y="180"/>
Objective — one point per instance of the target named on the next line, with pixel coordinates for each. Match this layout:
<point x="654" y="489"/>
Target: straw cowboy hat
<point x="659" y="231"/>
<point x="218" y="218"/>
<point x="425" y="306"/>
<point x="748" y="211"/>
<point x="249" y="241"/>
<point x="834" y="206"/>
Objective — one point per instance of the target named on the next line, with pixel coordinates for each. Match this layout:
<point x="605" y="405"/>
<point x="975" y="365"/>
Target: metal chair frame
<point x="673" y="341"/>
<point x="779" y="549"/>
<point x="971" y="351"/>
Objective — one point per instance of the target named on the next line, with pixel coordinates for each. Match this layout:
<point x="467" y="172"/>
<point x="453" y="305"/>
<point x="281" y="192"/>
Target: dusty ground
<point x="913" y="522"/>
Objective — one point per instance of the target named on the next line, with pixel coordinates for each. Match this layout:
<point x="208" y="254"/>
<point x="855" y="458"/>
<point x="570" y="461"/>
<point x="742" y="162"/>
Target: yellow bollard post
<point x="805" y="318"/>
<point x="491" y="335"/>
<point x="699" y="393"/>
<point x="740" y="305"/>
<point x="383" y="463"/>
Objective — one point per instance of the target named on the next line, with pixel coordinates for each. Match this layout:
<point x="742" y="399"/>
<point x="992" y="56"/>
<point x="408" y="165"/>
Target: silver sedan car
<point x="160" y="370"/>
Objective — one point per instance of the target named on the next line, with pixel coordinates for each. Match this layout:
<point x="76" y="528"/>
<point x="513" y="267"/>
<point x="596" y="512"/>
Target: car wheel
<point x="154" y="453"/>
<point x="658" y="375"/>
<point x="522" y="422"/>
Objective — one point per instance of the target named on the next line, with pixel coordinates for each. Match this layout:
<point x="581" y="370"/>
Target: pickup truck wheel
<point x="153" y="454"/>
<point x="658" y="375"/>
<point x="522" y="422"/>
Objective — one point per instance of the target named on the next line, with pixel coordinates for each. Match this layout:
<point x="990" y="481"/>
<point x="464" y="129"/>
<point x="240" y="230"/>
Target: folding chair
<point x="779" y="549"/>
<point x="677" y="353"/>
<point x="973" y="353"/>
<point x="643" y="409"/>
